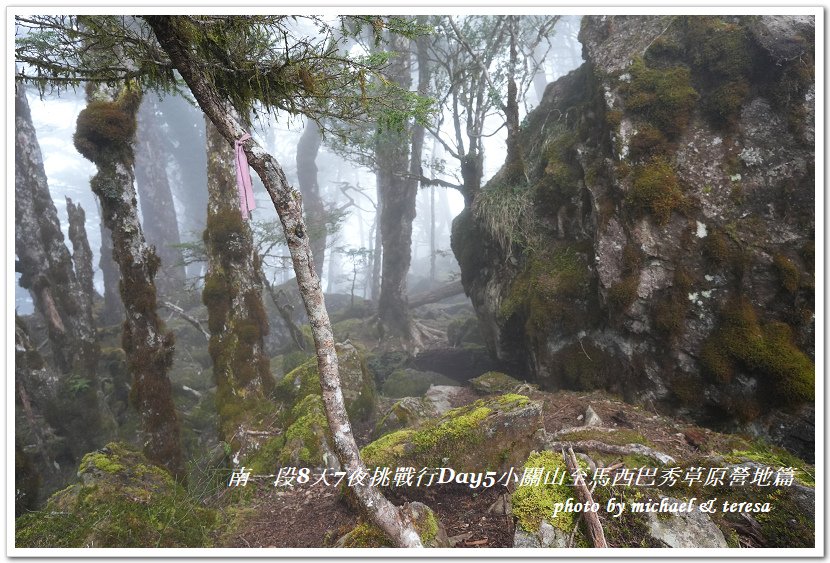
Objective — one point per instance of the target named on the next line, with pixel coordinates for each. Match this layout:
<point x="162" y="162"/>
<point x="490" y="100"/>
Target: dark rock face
<point x="662" y="246"/>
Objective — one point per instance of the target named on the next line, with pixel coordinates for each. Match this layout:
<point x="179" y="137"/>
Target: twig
<point x="591" y="518"/>
<point x="192" y="320"/>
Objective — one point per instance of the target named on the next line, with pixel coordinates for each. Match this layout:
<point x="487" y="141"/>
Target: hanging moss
<point x="655" y="189"/>
<point x="664" y="97"/>
<point x="648" y="141"/>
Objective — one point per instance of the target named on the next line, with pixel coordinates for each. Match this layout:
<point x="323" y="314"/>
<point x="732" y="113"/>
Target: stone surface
<point x="619" y="295"/>
<point x="685" y="529"/>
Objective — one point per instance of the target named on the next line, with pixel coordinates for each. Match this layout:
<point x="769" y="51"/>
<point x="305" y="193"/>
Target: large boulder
<point x="408" y="382"/>
<point x="120" y="500"/>
<point x="662" y="242"/>
<point x="306" y="440"/>
<point x="486" y="435"/>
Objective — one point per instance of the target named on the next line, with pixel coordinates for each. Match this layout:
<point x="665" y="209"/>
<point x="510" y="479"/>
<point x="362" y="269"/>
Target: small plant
<point x="78" y="384"/>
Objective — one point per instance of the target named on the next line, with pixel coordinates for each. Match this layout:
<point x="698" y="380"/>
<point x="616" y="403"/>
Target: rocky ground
<point x="446" y="406"/>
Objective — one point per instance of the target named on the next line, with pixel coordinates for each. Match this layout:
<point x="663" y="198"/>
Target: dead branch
<point x="628" y="449"/>
<point x="192" y="320"/>
<point x="591" y="518"/>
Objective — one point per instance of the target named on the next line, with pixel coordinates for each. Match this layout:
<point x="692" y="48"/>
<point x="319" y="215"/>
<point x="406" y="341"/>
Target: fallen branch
<point x="192" y="320"/>
<point x="602" y="447"/>
<point x="435" y="295"/>
<point x="591" y="518"/>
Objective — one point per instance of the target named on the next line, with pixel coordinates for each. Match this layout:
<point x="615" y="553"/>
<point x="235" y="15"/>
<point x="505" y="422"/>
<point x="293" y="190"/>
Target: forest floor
<point x="315" y="516"/>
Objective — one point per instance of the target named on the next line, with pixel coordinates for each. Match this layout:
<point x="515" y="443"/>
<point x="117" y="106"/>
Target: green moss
<point x="123" y="501"/>
<point x="775" y="457"/>
<point x="105" y="127"/>
<point x="550" y="288"/>
<point x="788" y="272"/>
<point x="455" y="434"/>
<point x="532" y="504"/>
<point x="769" y="351"/>
<point x="656" y="190"/>
<point x="716" y="248"/>
<point x="494" y="382"/>
<point x="622" y="294"/>
<point x="671" y="308"/>
<point x="665" y="97"/>
<point x="305" y="436"/>
<point x="367" y="535"/>
<point x="227" y="232"/>
<point x="648" y="141"/>
<point x="619" y="437"/>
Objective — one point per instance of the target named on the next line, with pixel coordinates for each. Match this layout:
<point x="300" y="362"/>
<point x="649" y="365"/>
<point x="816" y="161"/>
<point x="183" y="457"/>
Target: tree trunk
<point x="233" y="296"/>
<point x="186" y="138"/>
<point x="43" y="260"/>
<point x="307" y="149"/>
<point x="397" y="205"/>
<point x="514" y="161"/>
<point x="105" y="134"/>
<point x="158" y="213"/>
<point x="113" y="310"/>
<point x="287" y="204"/>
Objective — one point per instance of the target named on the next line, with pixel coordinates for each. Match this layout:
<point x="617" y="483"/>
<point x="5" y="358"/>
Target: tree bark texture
<point x="307" y="149"/>
<point x="158" y="213"/>
<point x="233" y="295"/>
<point x="105" y="134"/>
<point x="287" y="202"/>
<point x="113" y="310"/>
<point x="397" y="204"/>
<point x="42" y="256"/>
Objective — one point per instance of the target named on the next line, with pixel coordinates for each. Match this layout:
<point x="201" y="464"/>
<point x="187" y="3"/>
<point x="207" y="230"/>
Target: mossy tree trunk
<point x="287" y="203"/>
<point x="105" y="135"/>
<point x="397" y="203"/>
<point x="158" y="213"/>
<point x="307" y="149"/>
<point x="233" y="296"/>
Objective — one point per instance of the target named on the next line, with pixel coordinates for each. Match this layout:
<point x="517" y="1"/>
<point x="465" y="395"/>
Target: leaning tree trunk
<point x="158" y="213"/>
<point x="287" y="203"/>
<point x="105" y="134"/>
<point x="233" y="295"/>
<point x="397" y="206"/>
<point x="307" y="149"/>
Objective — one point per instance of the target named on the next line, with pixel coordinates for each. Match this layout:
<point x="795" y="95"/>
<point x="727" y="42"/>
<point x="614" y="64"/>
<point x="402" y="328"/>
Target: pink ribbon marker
<point x="243" y="179"/>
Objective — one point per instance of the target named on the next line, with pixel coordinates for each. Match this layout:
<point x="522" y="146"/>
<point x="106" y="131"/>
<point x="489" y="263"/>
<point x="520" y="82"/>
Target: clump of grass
<point x="506" y="213"/>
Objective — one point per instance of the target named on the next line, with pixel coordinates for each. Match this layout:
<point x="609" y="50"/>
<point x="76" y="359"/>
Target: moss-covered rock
<point x="409" y="411"/>
<point x="409" y="382"/>
<point x="306" y="439"/>
<point x="121" y="501"/>
<point x="494" y="382"/>
<point x="488" y="434"/>
<point x="357" y="385"/>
